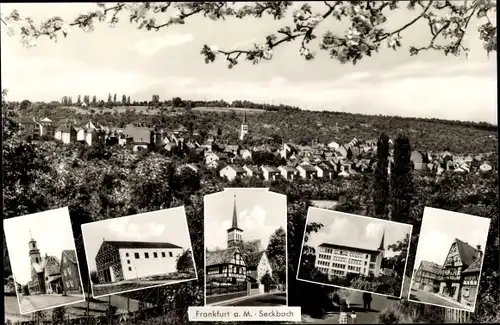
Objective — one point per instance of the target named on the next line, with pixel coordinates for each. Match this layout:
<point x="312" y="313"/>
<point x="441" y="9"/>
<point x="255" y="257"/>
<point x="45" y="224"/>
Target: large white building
<point x="338" y="260"/>
<point x="124" y="260"/>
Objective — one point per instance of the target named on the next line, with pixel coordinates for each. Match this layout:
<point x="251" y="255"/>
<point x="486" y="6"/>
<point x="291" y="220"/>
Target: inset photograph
<point x="354" y="252"/>
<point x="43" y="259"/>
<point x="449" y="259"/>
<point x="245" y="248"/>
<point x="138" y="252"/>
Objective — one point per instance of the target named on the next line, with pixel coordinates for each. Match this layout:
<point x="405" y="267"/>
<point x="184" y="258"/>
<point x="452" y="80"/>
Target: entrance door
<point x="106" y="275"/>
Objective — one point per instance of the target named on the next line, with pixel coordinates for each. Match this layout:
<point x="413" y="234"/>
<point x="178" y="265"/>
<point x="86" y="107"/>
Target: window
<point x="71" y="284"/>
<point x="128" y="261"/>
<point x="155" y="255"/>
<point x="366" y="263"/>
<point x="126" y="254"/>
<point x="64" y="272"/>
<point x="170" y="254"/>
<point x="372" y="265"/>
<point x="129" y="268"/>
<point x="136" y="255"/>
<point x="163" y="254"/>
<point x="220" y="269"/>
<point x="69" y="271"/>
<point x="146" y="255"/>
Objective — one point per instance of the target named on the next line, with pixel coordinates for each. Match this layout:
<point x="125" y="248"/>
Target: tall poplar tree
<point x="401" y="180"/>
<point x="381" y="177"/>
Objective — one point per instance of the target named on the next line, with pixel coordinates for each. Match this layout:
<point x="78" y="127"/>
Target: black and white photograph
<point x="45" y="269"/>
<point x="370" y="108"/>
<point x="140" y="251"/>
<point x="356" y="252"/>
<point x="449" y="259"/>
<point x="245" y="242"/>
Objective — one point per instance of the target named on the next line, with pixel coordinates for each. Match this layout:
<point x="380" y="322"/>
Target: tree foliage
<point x="381" y="177"/>
<point x="401" y="180"/>
<point x="276" y="253"/>
<point x="366" y="33"/>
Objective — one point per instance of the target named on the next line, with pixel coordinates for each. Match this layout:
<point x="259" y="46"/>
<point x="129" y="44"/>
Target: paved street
<point x="432" y="298"/>
<point x="276" y="299"/>
<point x="362" y="316"/>
<point x="37" y="302"/>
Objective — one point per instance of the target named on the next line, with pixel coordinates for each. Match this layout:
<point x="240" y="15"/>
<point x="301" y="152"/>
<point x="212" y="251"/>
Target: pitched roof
<point x="288" y="168"/>
<point x="238" y="169"/>
<point x="474" y="267"/>
<point x="468" y="254"/>
<point x="140" y="244"/>
<point x="430" y="267"/>
<point x="270" y="169"/>
<point x="70" y="254"/>
<point x="221" y="256"/>
<point x="253" y="259"/>
<point x="52" y="265"/>
<point x="254" y="169"/>
<point x="307" y="167"/>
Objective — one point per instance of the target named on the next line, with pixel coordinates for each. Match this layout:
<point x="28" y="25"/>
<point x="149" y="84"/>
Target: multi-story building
<point x="45" y="272"/>
<point x="460" y="258"/>
<point x="427" y="277"/>
<point x="339" y="260"/>
<point x="124" y="260"/>
<point x="70" y="273"/>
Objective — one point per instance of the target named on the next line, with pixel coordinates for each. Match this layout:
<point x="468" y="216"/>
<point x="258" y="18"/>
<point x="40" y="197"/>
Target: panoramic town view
<point x="375" y="109"/>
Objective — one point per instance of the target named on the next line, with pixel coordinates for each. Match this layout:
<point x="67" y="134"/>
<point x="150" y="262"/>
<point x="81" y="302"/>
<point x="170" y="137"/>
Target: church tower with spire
<point x="234" y="234"/>
<point x="34" y="251"/>
<point x="382" y="243"/>
<point x="244" y="127"/>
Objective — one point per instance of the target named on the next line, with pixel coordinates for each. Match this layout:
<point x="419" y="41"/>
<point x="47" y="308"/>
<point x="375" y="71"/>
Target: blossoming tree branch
<point x="447" y="21"/>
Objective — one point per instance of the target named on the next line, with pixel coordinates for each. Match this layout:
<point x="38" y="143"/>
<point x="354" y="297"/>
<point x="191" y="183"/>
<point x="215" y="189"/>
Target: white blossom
<point x="304" y="51"/>
<point x="214" y="49"/>
<point x="268" y="54"/>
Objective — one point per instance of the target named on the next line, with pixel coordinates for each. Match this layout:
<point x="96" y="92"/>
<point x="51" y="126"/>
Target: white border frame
<point x="356" y="216"/>
<point x="480" y="269"/>
<point x="76" y="257"/>
<point x="254" y="189"/>
<point x="154" y="285"/>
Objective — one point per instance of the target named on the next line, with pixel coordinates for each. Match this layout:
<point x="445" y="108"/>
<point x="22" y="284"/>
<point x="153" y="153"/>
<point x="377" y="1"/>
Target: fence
<point x="163" y="314"/>
<point x="217" y="288"/>
<point x="456" y="316"/>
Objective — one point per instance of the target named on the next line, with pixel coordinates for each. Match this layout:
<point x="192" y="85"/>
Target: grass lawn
<point x="141" y="283"/>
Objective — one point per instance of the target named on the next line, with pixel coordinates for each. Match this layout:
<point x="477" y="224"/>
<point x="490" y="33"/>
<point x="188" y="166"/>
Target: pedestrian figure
<point x="353" y="317"/>
<point x="367" y="299"/>
<point x="344" y="306"/>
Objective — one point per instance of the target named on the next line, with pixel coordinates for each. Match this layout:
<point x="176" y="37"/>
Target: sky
<point x="168" y="225"/>
<point x="125" y="60"/>
<point x="355" y="231"/>
<point x="441" y="227"/>
<point x="43" y="227"/>
<point x="260" y="213"/>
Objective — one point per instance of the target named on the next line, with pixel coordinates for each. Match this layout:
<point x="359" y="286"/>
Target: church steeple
<point x="382" y="244"/>
<point x="244" y="127"/>
<point x="34" y="252"/>
<point x="235" y="215"/>
<point x="234" y="234"/>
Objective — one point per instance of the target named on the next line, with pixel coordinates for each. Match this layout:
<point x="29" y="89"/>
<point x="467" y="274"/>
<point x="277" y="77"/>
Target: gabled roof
<point x="431" y="267"/>
<point x="52" y="265"/>
<point x="70" y="254"/>
<point x="468" y="254"/>
<point x="253" y="259"/>
<point x="221" y="257"/>
<point x="474" y="267"/>
<point x="288" y="168"/>
<point x="140" y="244"/>
<point x="307" y="167"/>
<point x="254" y="169"/>
<point x="270" y="169"/>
